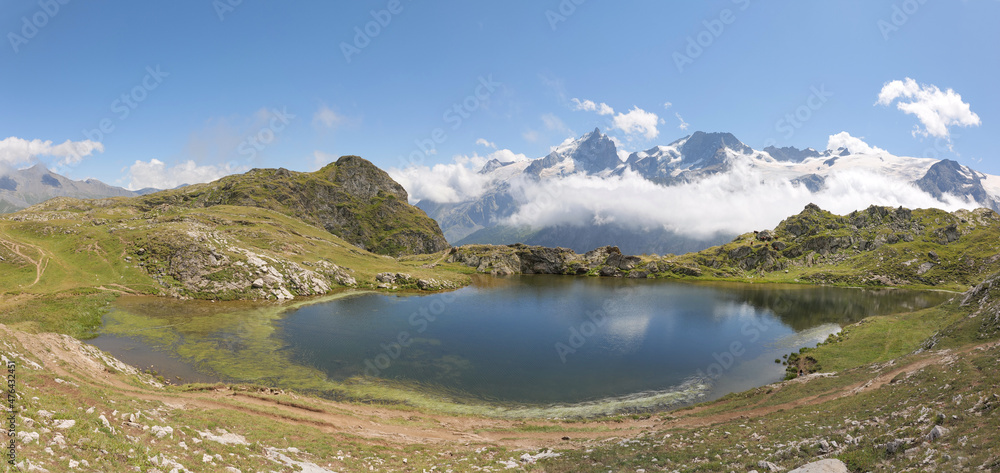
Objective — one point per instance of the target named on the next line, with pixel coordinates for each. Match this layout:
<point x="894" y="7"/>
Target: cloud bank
<point x="459" y="181"/>
<point x="734" y="202"/>
<point x="15" y="151"/>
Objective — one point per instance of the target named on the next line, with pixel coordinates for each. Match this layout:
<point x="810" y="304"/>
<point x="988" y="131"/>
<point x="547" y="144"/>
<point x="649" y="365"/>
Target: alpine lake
<point x="519" y="346"/>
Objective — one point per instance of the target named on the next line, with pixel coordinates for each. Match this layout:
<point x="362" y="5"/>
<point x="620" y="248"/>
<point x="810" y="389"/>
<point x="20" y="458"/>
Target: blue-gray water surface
<point x="551" y="339"/>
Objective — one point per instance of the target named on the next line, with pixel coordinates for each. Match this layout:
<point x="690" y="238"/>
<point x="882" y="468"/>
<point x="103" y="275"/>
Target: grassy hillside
<point x="82" y="250"/>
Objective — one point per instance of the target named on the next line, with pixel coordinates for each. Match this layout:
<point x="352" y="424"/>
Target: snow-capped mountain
<point x="717" y="164"/>
<point x="26" y="187"/>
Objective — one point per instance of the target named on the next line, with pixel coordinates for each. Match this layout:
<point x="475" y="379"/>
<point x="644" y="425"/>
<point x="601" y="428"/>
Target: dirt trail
<point x="40" y="264"/>
<point x="70" y="359"/>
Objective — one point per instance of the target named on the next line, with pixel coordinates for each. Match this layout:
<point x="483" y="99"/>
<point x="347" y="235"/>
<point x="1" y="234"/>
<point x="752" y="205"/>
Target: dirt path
<point x="70" y="359"/>
<point x="40" y="264"/>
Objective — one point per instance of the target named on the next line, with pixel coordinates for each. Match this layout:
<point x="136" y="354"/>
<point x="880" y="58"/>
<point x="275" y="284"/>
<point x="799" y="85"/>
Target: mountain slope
<point x="351" y="198"/>
<point x="26" y="187"/>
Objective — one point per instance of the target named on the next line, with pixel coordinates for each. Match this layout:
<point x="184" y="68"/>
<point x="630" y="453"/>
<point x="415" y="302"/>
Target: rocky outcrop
<point x="605" y="261"/>
<point x="201" y="264"/>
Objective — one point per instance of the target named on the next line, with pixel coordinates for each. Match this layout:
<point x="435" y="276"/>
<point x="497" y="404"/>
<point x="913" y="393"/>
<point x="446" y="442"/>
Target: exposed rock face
<point x="199" y="263"/>
<point x="351" y="198"/>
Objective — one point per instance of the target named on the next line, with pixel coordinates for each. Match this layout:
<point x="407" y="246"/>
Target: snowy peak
<point x="712" y="147"/>
<point x="949" y="177"/>
<point x="689" y="157"/>
<point x="591" y="153"/>
<point x="791" y="154"/>
<point x="493" y="165"/>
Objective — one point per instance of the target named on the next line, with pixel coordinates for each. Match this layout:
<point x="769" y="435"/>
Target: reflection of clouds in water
<point x="628" y="321"/>
<point x="626" y="334"/>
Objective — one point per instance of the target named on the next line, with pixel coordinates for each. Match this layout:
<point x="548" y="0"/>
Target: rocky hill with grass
<point x="351" y="198"/>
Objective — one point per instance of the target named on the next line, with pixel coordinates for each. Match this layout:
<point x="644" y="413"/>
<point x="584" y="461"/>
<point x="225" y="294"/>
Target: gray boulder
<point x="830" y="465"/>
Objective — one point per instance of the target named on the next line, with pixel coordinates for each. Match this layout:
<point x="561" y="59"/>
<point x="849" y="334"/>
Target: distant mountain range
<point x="691" y="159"/>
<point x="26" y="187"/>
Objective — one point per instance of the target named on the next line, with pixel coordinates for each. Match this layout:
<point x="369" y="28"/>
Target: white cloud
<point x="327" y="118"/>
<point x="590" y="106"/>
<point x="637" y="121"/>
<point x="936" y="110"/>
<point x="488" y="144"/>
<point x="14" y="150"/>
<point x="449" y="183"/>
<point x="554" y="123"/>
<point x="683" y="124"/>
<point x="155" y="173"/>
<point x="856" y="145"/>
<point x="734" y="202"/>
<point x="667" y="105"/>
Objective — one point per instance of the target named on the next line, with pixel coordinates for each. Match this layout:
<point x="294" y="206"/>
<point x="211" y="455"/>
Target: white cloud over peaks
<point x="683" y="125"/>
<point x="637" y="121"/>
<point x="935" y="109"/>
<point x="488" y="144"/>
<point x="590" y="106"/>
<point x="737" y="201"/>
<point x="856" y="145"/>
<point x="450" y="183"/>
<point x="14" y="150"/>
<point x="155" y="173"/>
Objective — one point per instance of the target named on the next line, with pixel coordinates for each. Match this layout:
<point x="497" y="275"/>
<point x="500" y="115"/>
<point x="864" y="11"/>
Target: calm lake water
<point x="534" y="340"/>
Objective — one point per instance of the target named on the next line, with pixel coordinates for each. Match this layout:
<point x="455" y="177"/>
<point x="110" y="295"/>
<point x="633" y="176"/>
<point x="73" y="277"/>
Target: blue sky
<point x="211" y="88"/>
